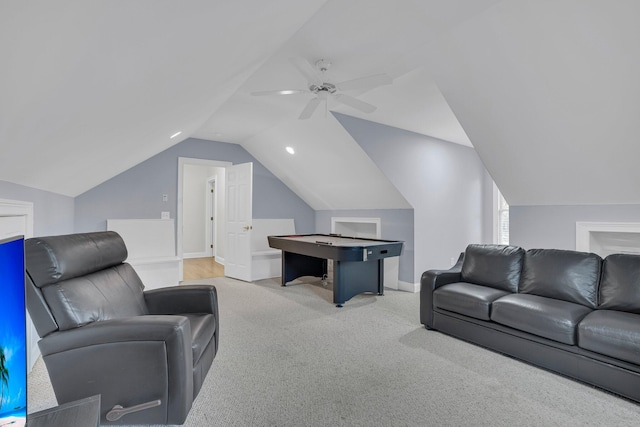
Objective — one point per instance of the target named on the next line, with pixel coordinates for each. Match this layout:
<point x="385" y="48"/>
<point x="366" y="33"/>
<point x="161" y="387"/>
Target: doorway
<point x="190" y="242"/>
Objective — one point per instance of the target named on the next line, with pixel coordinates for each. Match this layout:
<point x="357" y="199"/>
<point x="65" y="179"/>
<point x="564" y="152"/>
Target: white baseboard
<point x="408" y="287"/>
<point x="405" y="287"/>
<point x="195" y="255"/>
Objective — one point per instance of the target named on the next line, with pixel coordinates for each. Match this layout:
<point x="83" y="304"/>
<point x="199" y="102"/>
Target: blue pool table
<point x="358" y="263"/>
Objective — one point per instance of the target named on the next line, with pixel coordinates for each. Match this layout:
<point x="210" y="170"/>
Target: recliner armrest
<point x="139" y="328"/>
<point x="182" y="299"/>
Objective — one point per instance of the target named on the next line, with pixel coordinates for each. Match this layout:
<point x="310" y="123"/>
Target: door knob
<point x="247" y="227"/>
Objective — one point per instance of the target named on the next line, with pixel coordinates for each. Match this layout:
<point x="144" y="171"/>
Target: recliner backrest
<point x="81" y="278"/>
<point x="620" y="283"/>
<point x="562" y="274"/>
<point x="496" y="266"/>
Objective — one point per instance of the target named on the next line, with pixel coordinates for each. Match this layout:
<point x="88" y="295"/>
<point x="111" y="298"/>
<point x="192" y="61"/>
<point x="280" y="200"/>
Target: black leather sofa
<point x="569" y="312"/>
<point x="146" y="353"/>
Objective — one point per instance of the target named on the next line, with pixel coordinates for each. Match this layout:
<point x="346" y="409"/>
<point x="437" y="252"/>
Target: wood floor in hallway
<point x="202" y="268"/>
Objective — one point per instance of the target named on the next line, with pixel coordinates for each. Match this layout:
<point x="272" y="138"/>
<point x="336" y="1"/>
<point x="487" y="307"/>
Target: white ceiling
<point x="545" y="91"/>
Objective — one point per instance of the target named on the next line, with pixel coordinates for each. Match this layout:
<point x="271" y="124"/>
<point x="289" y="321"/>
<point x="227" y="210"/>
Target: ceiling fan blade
<point x="368" y="82"/>
<point x="355" y="103"/>
<point x="307" y="70"/>
<point x="310" y="108"/>
<point x="279" y="92"/>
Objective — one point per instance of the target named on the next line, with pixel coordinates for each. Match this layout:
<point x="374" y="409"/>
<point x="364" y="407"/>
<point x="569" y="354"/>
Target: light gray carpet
<point x="289" y="357"/>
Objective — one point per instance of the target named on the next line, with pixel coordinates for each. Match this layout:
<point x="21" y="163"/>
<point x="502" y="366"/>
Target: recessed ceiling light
<point x="290" y="150"/>
<point x="175" y="134"/>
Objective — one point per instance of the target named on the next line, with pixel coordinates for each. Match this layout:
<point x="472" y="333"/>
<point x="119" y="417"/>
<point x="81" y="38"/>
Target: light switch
<point x="165" y="197"/>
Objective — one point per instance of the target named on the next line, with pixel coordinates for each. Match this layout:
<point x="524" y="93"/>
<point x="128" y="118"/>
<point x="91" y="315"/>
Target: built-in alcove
<point x="605" y="238"/>
<point x="369" y="228"/>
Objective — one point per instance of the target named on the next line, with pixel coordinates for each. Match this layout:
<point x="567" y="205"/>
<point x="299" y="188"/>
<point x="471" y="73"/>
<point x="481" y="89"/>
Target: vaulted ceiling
<point x="546" y="92"/>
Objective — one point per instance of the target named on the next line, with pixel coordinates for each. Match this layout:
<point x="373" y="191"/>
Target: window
<point x="501" y="221"/>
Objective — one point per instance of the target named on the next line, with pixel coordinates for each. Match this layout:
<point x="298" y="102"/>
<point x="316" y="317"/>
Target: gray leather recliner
<point x="145" y="352"/>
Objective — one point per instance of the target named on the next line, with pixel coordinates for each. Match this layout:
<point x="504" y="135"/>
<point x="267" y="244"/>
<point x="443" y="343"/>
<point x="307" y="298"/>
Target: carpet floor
<point x="289" y="357"/>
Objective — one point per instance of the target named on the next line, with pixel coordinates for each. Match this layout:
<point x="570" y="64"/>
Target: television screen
<point x="13" y="341"/>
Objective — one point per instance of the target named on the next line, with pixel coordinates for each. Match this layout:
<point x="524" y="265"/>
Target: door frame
<point x="182" y="161"/>
<point x="212" y="212"/>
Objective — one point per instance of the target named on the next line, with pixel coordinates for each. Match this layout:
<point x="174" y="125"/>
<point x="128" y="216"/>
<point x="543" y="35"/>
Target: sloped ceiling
<point x="331" y="151"/>
<point x="545" y="91"/>
<point x="91" y="88"/>
<point x="549" y="94"/>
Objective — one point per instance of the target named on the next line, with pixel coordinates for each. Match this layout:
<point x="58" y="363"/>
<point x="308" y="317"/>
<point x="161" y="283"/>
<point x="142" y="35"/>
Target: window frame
<point x="500" y="218"/>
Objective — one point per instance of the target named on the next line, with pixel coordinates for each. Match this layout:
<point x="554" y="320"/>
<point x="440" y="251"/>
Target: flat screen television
<point x="13" y="337"/>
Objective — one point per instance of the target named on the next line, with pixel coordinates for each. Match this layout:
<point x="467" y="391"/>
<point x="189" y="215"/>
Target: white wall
<point x="447" y="185"/>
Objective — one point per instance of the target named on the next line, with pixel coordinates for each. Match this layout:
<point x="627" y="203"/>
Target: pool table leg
<point x="295" y="265"/>
<point x="351" y="278"/>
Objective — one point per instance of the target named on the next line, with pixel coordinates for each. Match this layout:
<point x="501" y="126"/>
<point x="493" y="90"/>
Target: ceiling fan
<point x="322" y="88"/>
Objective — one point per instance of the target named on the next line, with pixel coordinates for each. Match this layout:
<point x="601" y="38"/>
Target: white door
<point x="239" y="193"/>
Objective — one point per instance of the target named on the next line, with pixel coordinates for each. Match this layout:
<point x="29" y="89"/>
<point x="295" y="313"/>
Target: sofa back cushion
<point x="620" y="283"/>
<point x="496" y="266"/>
<point x="565" y="275"/>
<point x="82" y="278"/>
<point x="112" y="293"/>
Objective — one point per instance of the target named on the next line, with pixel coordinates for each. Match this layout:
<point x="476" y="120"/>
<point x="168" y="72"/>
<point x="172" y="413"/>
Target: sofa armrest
<point x="432" y="280"/>
<point x="182" y="299"/>
<point x="128" y="361"/>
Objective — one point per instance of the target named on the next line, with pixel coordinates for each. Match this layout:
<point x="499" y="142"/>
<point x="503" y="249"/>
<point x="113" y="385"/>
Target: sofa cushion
<point x="564" y="275"/>
<point x="467" y="298"/>
<point x="620" y="283"/>
<point x="496" y="266"/>
<point x="612" y="333"/>
<point x="546" y="317"/>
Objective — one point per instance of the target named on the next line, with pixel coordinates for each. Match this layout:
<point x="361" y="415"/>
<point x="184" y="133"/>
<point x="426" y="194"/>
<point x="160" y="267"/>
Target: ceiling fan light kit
<point x="323" y="89"/>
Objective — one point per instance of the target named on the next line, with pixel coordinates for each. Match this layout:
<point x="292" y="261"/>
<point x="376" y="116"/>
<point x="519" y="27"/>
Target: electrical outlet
<point x="165" y="215"/>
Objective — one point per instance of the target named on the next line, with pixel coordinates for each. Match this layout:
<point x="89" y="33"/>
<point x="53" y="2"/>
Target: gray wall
<point x="395" y="224"/>
<point x="555" y="226"/>
<point x="137" y="192"/>
<point x="447" y="185"/>
<point x="52" y="213"/>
